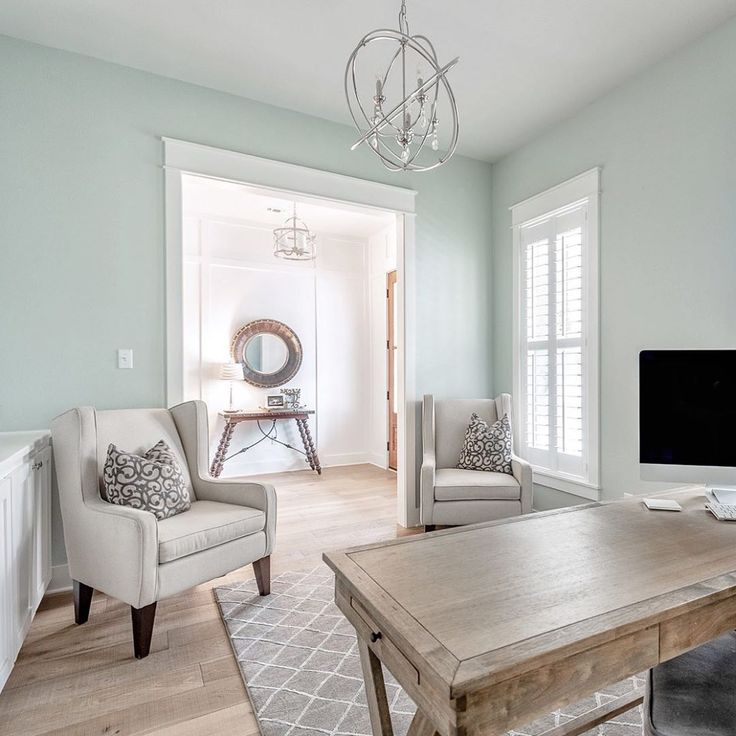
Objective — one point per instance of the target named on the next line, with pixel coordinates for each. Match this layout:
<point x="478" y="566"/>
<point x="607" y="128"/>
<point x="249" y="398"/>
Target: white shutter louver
<point x="552" y="345"/>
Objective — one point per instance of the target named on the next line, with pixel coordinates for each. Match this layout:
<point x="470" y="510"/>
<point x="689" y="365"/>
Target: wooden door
<point x="392" y="358"/>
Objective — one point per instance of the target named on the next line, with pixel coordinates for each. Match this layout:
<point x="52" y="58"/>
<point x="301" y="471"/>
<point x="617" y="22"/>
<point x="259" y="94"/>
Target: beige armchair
<point x="451" y="496"/>
<point x="126" y="552"/>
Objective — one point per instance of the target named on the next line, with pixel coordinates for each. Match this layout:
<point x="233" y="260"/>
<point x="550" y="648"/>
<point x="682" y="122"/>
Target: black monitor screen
<point x="687" y="407"/>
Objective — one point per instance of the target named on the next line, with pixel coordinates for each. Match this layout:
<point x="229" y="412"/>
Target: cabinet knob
<point x="375" y="636"/>
<point x="37" y="466"/>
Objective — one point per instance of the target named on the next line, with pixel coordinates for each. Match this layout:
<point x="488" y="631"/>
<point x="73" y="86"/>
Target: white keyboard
<point x="722" y="511"/>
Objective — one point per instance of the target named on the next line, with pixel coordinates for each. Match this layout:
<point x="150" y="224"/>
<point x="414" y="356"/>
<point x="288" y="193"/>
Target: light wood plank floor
<point x="84" y="681"/>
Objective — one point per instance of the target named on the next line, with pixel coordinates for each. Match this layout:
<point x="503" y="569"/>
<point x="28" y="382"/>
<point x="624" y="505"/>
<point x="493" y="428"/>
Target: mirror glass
<point x="266" y="353"/>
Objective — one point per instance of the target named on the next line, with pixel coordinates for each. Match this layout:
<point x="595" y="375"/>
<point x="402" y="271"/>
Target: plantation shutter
<point x="552" y="341"/>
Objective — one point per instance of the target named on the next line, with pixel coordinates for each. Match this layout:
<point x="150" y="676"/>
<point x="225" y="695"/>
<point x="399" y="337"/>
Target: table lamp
<point x="231" y="372"/>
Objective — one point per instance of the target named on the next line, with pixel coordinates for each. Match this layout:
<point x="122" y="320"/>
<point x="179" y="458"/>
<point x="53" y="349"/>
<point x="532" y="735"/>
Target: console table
<point x="232" y="419"/>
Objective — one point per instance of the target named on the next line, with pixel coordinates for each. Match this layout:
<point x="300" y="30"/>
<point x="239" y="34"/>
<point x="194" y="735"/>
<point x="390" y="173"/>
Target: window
<point x="556" y="334"/>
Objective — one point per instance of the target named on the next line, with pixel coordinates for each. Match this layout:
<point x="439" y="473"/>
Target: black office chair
<point x="695" y="693"/>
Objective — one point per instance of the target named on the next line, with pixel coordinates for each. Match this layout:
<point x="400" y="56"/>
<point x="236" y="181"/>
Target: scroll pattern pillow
<point x="152" y="482"/>
<point x="487" y="447"/>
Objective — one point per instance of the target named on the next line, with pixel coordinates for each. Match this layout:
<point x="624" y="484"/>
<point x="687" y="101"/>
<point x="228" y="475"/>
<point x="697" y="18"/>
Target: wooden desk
<point x="232" y="419"/>
<point x="491" y="626"/>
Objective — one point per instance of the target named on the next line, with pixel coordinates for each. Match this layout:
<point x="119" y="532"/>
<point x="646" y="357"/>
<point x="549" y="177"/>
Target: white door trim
<point x="184" y="157"/>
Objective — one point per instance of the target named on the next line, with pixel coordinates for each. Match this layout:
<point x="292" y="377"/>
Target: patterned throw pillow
<point x="152" y="482"/>
<point x="487" y="447"/>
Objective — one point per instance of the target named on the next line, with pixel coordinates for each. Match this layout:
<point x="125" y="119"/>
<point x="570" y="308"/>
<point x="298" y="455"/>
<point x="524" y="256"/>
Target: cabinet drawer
<point x="404" y="671"/>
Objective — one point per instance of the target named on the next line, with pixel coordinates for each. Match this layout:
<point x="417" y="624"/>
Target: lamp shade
<point x="231" y="371"/>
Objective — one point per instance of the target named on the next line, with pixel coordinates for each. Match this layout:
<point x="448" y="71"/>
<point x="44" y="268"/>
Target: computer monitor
<point x="687" y="416"/>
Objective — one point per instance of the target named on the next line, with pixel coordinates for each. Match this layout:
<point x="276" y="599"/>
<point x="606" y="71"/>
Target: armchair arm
<point x="426" y="487"/>
<point x="114" y="549"/>
<point x="191" y="422"/>
<point x="242" y="492"/>
<point x="522" y="471"/>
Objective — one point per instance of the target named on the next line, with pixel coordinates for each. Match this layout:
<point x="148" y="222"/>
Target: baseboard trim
<point x="61" y="581"/>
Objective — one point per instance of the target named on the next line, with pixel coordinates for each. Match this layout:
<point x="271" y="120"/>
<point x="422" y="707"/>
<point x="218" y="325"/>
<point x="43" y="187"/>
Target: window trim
<point x="582" y="188"/>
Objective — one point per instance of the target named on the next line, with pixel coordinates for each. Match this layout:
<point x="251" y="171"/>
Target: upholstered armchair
<point x="126" y="552"/>
<point x="451" y="496"/>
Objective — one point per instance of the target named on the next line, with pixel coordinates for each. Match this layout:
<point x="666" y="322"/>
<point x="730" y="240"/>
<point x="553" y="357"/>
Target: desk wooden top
<point x="484" y="603"/>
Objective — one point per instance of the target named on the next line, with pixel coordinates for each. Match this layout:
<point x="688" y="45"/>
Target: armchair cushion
<point x="454" y="484"/>
<point x="207" y="524"/>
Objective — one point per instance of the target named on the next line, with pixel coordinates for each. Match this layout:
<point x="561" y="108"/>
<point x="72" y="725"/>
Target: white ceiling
<point x="230" y="200"/>
<point x="524" y="64"/>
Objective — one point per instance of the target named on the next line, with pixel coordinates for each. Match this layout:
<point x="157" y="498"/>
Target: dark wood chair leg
<point x="262" y="570"/>
<point x="143" y="619"/>
<point x="82" y="602"/>
<point x="429" y="528"/>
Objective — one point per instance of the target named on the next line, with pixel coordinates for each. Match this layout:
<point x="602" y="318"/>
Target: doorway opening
<point x="302" y="185"/>
<point x="338" y="311"/>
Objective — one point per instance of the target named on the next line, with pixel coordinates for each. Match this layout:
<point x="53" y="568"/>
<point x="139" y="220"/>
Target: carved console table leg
<point x="221" y="454"/>
<point x="312" y="449"/>
<point x="303" y="433"/>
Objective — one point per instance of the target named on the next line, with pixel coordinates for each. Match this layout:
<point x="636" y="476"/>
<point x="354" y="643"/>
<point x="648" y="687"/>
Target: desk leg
<point x="222" y="448"/>
<point x="421" y="726"/>
<point x="375" y="691"/>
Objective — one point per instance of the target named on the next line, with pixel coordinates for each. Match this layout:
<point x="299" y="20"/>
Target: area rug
<point x="299" y="659"/>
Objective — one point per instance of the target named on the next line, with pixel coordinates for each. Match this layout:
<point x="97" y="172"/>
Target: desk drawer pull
<point x="375" y="636"/>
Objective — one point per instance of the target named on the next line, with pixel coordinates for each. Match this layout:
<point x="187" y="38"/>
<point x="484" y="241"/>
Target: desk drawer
<point x="685" y="632"/>
<point x="402" y="669"/>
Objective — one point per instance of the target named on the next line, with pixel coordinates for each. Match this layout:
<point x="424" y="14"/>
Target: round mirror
<point x="269" y="351"/>
<point x="266" y="353"/>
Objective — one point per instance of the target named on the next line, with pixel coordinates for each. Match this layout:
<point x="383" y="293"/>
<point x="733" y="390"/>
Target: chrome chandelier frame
<point x="380" y="129"/>
<point x="294" y="241"/>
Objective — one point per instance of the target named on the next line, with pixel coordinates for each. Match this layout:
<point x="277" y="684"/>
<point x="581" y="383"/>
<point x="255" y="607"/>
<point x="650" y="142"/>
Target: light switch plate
<point x="125" y="358"/>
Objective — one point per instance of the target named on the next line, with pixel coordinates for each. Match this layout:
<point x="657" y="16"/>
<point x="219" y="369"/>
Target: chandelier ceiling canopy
<point x="294" y="241"/>
<point x="401" y="111"/>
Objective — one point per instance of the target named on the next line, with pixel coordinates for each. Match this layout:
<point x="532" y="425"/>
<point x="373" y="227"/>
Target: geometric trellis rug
<point x="299" y="659"/>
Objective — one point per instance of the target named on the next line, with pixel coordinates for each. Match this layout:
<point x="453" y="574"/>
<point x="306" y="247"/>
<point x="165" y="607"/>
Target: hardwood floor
<point x="84" y="681"/>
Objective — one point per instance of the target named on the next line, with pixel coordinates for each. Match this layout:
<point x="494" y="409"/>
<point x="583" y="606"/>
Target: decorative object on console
<point x="131" y="555"/>
<point x="269" y="352"/>
<point x="399" y="125"/>
<point x="275" y="401"/>
<point x="300" y="416"/>
<point x="453" y="496"/>
<point x="487" y="446"/>
<point x="293" y="397"/>
<point x="294" y="241"/>
<point x="231" y="372"/>
<point x="150" y="482"/>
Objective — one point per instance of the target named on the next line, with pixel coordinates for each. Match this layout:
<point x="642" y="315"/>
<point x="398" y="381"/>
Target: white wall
<point x="230" y="278"/>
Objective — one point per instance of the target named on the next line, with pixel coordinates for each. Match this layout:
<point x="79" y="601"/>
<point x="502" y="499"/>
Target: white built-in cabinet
<point x="25" y="537"/>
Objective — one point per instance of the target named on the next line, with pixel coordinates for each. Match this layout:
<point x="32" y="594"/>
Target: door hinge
<point x="388" y="396"/>
<point x="388" y="446"/>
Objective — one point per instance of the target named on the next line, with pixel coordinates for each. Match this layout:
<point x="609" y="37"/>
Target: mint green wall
<point x="667" y="143"/>
<point x="82" y="229"/>
<point x="81" y="203"/>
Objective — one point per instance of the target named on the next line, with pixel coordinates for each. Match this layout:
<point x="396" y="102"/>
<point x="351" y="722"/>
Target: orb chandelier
<point x="294" y="241"/>
<point x="396" y="112"/>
